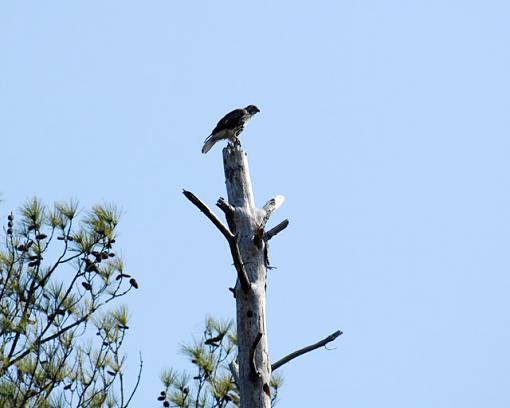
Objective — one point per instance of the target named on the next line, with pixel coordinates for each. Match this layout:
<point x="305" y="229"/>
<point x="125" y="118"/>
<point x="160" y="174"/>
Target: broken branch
<point x="271" y="206"/>
<point x="276" y="230"/>
<point x="225" y="207"/>
<point x="304" y="350"/>
<point x="231" y="238"/>
<point x="229" y="211"/>
<point x="209" y="214"/>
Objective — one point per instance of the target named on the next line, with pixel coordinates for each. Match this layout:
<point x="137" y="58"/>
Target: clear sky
<point x="386" y="126"/>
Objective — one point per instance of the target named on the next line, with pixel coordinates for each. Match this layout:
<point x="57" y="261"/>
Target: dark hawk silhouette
<point x="230" y="126"/>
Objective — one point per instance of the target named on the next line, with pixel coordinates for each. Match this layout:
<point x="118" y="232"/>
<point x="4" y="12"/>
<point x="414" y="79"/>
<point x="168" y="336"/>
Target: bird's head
<point x="252" y="109"/>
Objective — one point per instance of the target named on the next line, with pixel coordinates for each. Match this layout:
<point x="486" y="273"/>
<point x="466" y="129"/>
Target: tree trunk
<point x="247" y="224"/>
<point x="248" y="240"/>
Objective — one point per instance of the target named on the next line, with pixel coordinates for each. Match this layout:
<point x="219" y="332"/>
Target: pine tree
<point x="60" y="343"/>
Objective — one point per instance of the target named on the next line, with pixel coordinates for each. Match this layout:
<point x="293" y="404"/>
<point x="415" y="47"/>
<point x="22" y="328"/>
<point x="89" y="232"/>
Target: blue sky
<point x="384" y="124"/>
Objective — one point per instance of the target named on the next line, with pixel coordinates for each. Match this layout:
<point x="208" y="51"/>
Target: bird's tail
<point x="209" y="143"/>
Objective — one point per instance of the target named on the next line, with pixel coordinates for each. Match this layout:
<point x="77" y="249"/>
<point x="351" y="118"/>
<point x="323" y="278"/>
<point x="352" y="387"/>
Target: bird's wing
<point x="230" y="120"/>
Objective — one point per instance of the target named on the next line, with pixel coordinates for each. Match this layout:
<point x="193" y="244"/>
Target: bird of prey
<point x="230" y="126"/>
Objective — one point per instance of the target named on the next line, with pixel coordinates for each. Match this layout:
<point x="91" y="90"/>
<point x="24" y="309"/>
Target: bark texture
<point x="248" y="227"/>
<point x="248" y="242"/>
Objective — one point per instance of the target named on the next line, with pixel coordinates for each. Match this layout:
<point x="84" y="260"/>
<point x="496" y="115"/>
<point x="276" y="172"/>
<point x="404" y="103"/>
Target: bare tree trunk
<point x="248" y="242"/>
<point x="248" y="221"/>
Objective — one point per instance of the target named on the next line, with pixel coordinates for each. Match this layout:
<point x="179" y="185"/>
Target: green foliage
<point x="58" y="346"/>
<point x="213" y="385"/>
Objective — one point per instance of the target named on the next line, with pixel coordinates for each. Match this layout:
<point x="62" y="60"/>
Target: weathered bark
<point x="253" y="357"/>
<point x="248" y="242"/>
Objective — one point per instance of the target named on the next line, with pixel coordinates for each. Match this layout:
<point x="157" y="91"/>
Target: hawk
<point x="230" y="126"/>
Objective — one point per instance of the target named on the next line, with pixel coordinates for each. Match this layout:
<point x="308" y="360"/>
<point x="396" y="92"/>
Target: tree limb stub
<point x="304" y="350"/>
<point x="225" y="207"/>
<point x="231" y="239"/>
<point x="271" y="206"/>
<point x="276" y="230"/>
<point x="229" y="213"/>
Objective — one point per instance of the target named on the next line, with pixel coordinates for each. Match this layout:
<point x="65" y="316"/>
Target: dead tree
<point x="248" y="242"/>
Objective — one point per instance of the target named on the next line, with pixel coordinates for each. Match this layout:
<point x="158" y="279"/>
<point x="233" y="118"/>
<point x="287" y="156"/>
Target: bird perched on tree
<point x="230" y="126"/>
